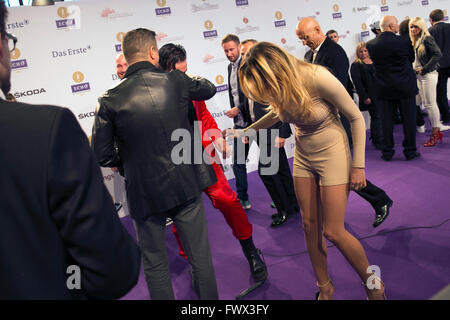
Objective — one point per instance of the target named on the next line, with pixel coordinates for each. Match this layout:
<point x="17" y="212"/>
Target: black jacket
<point x="332" y="56"/>
<point x="429" y="58"/>
<point x="363" y="76"/>
<point x="140" y="115"/>
<point x="56" y="212"/>
<point x="441" y="33"/>
<point x="393" y="57"/>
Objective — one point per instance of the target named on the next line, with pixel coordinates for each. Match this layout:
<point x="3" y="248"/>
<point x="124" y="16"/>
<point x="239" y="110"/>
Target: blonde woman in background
<point x="428" y="55"/>
<point x="310" y="97"/>
<point x="362" y="71"/>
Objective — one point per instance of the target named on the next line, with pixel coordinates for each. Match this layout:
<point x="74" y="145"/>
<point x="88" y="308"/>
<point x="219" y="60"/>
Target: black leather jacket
<point x="429" y="58"/>
<point x="140" y="115"/>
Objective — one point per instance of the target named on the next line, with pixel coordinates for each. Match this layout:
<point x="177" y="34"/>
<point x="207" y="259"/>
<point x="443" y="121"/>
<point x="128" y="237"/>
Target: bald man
<point x="396" y="84"/>
<point x="121" y="65"/>
<point x="328" y="53"/>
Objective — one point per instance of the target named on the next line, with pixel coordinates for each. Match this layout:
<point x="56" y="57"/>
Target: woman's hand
<point x="357" y="179"/>
<point x="367" y="101"/>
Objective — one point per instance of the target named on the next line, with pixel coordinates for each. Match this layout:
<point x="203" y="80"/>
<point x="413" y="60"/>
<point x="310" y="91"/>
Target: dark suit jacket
<point x="243" y="106"/>
<point x="363" y="76"/>
<point x="55" y="211"/>
<point x="393" y="57"/>
<point x="441" y="33"/>
<point x="140" y="115"/>
<point x="332" y="56"/>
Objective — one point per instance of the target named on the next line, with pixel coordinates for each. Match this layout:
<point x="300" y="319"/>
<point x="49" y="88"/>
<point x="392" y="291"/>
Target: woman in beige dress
<point x="310" y="97"/>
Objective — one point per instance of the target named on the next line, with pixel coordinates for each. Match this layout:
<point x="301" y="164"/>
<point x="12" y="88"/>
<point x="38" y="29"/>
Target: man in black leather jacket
<point x="140" y="116"/>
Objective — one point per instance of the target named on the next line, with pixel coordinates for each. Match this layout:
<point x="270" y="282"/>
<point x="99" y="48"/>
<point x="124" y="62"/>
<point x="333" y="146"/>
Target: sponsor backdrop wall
<point x="65" y="53"/>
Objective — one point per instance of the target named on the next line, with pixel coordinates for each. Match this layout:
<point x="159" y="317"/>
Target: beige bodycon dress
<point x="321" y="144"/>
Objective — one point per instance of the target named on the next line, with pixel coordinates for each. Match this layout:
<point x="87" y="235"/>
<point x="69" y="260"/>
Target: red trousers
<point x="225" y="199"/>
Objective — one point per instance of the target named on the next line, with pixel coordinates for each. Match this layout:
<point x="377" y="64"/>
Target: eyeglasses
<point x="12" y="40"/>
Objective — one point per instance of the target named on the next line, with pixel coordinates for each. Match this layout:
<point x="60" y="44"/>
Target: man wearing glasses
<point x="52" y="196"/>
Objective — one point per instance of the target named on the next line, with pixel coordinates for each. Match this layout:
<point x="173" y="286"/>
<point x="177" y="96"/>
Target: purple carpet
<point x="414" y="261"/>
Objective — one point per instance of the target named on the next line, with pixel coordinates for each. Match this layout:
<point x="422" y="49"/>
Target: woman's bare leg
<point x="333" y="204"/>
<point x="308" y="196"/>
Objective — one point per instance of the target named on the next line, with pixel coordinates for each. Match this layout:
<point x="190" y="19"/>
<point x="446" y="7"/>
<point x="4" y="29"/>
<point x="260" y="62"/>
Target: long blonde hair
<point x="418" y="43"/>
<point x="271" y="76"/>
<point x="359" y="46"/>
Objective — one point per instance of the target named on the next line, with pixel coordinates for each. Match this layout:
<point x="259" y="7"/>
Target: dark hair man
<point x="333" y="35"/>
<point x="60" y="233"/>
<point x="139" y="116"/>
<point x="173" y="57"/>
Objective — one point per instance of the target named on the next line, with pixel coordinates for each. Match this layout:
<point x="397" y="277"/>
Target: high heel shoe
<point x="322" y="286"/>
<point x="434" y="138"/>
<point x="376" y="278"/>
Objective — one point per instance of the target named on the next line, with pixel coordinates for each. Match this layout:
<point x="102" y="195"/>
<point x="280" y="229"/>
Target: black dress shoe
<point x="258" y="268"/>
<point x="382" y="213"/>
<point x="280" y="218"/>
<point x="415" y="156"/>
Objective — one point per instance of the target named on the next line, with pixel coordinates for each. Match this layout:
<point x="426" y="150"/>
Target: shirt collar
<point x="319" y="46"/>
<point x="237" y="62"/>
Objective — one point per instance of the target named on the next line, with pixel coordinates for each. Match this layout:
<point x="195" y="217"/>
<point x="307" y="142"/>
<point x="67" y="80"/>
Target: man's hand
<point x="245" y="140"/>
<point x="279" y="142"/>
<point x="367" y="101"/>
<point x="232" y="112"/>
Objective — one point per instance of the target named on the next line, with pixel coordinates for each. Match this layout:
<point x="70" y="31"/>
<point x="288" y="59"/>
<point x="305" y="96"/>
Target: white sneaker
<point x="421" y="129"/>
<point x="444" y="127"/>
<point x="168" y="221"/>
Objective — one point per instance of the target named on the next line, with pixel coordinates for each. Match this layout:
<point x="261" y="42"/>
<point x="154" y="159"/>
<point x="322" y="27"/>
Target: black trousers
<point x="273" y="169"/>
<point x="441" y="93"/>
<point x="280" y="185"/>
<point x="408" y="112"/>
<point x="371" y="193"/>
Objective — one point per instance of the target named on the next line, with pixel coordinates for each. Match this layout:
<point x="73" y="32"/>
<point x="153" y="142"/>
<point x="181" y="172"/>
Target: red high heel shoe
<point x="434" y="138"/>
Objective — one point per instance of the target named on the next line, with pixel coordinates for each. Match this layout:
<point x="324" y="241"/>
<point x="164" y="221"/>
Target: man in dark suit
<point x="441" y="33"/>
<point x="281" y="191"/>
<point x="395" y="82"/>
<point x="327" y="53"/>
<point x="279" y="184"/>
<point x="140" y="116"/>
<point x="60" y="234"/>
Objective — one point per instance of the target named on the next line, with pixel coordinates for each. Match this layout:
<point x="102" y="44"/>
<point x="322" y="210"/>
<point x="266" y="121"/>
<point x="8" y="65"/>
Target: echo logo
<point x="17" y="63"/>
<point x="221" y="86"/>
<point x="210" y="33"/>
<point x="78" y="77"/>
